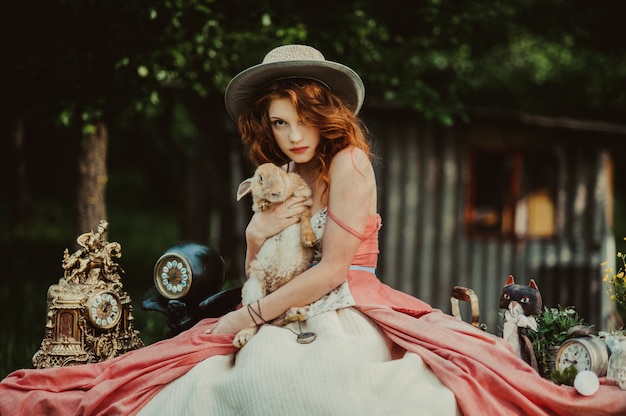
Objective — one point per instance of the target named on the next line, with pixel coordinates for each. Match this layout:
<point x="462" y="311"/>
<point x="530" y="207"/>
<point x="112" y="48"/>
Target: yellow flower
<point x="615" y="282"/>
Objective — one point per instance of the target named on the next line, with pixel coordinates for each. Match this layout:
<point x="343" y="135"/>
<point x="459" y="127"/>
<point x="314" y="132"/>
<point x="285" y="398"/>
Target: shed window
<point x="512" y="194"/>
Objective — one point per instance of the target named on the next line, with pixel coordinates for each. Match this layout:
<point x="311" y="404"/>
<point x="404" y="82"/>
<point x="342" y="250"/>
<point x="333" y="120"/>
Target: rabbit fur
<point x="284" y="255"/>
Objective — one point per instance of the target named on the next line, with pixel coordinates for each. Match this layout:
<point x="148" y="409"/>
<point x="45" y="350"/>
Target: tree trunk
<point x="92" y="178"/>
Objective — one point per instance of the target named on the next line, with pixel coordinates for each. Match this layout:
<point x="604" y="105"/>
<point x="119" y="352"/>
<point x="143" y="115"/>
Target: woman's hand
<point x="232" y="323"/>
<point x="263" y="225"/>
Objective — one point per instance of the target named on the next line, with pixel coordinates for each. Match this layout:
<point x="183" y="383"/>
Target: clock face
<point x="574" y="353"/>
<point x="172" y="276"/>
<point x="104" y="309"/>
<point x="586" y="353"/>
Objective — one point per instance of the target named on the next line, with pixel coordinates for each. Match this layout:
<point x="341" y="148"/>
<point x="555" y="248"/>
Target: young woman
<point x="301" y="124"/>
<point x="375" y="350"/>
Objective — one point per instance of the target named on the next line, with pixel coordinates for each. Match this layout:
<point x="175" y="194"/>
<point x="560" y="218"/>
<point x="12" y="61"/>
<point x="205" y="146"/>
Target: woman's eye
<point x="278" y="123"/>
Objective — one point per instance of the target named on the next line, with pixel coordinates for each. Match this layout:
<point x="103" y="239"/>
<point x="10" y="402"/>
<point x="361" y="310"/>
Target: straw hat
<point x="294" y="61"/>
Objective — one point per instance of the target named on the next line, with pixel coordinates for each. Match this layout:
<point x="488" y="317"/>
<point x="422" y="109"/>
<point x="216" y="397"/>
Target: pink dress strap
<point x="348" y="228"/>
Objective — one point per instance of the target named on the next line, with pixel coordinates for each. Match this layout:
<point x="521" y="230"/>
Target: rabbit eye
<point x="260" y="179"/>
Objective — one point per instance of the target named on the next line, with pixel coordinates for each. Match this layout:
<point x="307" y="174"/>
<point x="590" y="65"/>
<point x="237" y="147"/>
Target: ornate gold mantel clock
<point x="89" y="316"/>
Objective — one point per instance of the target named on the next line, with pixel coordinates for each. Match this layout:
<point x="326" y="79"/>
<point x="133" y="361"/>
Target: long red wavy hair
<point x="318" y="107"/>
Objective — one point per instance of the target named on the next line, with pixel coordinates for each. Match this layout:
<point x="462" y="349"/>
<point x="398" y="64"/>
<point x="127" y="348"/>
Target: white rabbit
<point x="284" y="255"/>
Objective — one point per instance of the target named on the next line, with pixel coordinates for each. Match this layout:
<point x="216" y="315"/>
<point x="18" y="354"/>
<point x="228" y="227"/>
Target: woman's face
<point x="297" y="140"/>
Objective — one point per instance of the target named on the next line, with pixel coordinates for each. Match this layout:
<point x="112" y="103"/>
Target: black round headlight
<point x="189" y="272"/>
<point x="188" y="278"/>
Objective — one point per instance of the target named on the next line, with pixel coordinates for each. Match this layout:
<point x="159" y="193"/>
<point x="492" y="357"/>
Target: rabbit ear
<point x="244" y="189"/>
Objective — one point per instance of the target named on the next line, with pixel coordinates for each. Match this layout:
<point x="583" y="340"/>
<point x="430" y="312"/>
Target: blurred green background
<point x="34" y="263"/>
<point x="155" y="72"/>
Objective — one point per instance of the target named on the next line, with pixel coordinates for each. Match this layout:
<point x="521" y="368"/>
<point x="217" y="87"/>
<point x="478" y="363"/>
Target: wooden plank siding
<point x="423" y="175"/>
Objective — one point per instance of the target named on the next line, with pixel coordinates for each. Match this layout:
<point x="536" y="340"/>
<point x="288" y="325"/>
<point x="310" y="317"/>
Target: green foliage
<point x="615" y="283"/>
<point x="566" y="376"/>
<point x="434" y="56"/>
<point x="553" y="325"/>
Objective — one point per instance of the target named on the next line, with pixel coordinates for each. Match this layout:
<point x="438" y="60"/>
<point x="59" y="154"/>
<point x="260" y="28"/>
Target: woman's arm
<point x="352" y="197"/>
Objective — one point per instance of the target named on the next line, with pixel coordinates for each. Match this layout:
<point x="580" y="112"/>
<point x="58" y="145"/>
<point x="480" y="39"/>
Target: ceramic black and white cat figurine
<point x="521" y="303"/>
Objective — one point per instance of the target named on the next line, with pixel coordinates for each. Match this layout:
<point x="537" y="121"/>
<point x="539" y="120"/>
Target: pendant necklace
<point x="306" y="337"/>
<point x="303" y="337"/>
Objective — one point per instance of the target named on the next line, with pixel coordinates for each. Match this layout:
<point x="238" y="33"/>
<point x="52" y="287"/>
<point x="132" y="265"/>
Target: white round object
<point x="621" y="378"/>
<point x="586" y="383"/>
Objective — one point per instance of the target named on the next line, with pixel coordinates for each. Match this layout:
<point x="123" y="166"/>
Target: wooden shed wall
<point x="423" y="177"/>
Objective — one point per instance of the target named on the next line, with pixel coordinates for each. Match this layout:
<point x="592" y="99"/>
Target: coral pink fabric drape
<point x="487" y="378"/>
<point x="481" y="370"/>
<point x="120" y="386"/>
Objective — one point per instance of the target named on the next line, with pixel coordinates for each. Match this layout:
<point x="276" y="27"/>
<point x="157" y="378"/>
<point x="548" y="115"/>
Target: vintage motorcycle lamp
<point x="188" y="278"/>
<point x="89" y="315"/>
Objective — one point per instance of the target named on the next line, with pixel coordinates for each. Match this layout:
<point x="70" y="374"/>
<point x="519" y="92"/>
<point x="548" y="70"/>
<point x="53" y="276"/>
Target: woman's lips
<point x="299" y="149"/>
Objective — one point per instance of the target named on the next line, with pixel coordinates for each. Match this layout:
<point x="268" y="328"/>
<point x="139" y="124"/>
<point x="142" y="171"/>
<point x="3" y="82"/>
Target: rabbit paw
<point x="263" y="205"/>
<point x="295" y="314"/>
<point x="243" y="337"/>
<point x="308" y="239"/>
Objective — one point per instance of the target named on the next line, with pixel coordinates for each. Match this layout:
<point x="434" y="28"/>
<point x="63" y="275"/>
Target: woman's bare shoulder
<point x="351" y="159"/>
<point x="353" y="182"/>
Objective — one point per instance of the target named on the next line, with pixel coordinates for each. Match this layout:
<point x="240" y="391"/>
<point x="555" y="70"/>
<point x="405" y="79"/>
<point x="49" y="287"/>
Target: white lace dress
<point x="350" y="369"/>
